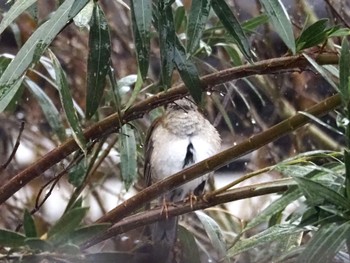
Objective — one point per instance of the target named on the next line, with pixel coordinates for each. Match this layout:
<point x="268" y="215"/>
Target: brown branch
<point x="219" y="160"/>
<point x="111" y="123"/>
<point x="148" y="217"/>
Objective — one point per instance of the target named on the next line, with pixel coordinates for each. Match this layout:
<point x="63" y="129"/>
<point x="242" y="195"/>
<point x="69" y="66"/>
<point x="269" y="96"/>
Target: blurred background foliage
<point x="65" y="65"/>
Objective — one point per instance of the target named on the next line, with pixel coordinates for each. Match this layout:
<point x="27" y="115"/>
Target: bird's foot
<point x="192" y="198"/>
<point x="165" y="206"/>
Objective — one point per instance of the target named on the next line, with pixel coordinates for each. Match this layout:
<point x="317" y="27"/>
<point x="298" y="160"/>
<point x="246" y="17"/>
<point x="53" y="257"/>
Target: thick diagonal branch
<point x="219" y="160"/>
<point x="111" y="123"/>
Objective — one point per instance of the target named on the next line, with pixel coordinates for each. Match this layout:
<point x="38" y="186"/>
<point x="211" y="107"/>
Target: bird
<point x="175" y="141"/>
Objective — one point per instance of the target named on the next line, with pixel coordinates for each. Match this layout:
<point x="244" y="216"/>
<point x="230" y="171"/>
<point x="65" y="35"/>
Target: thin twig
<point x="150" y="216"/>
<point x="335" y="11"/>
<point x="15" y="148"/>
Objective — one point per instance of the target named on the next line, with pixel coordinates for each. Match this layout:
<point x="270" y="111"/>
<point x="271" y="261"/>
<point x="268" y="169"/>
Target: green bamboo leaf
<point x="322" y="123"/>
<point x="251" y="24"/>
<point x="85" y="233"/>
<point x="275" y="233"/>
<point x="317" y="193"/>
<point x="49" y="109"/>
<point x="141" y="15"/>
<point x="197" y="19"/>
<point x="275" y="207"/>
<point x="180" y="18"/>
<point x="188" y="72"/>
<point x="344" y="72"/>
<point x="136" y="91"/>
<point x="16" y="9"/>
<point x="38" y="244"/>
<point x="189" y="246"/>
<point x="11" y="239"/>
<point x="232" y="26"/>
<point x="223" y="112"/>
<point x="214" y="233"/>
<point x="325" y="243"/>
<point x="280" y="20"/>
<point x="4" y="62"/>
<point x="77" y="174"/>
<point x="128" y="155"/>
<point x="313" y="35"/>
<point x="11" y="95"/>
<point x="34" y="48"/>
<point x="321" y="70"/>
<point x="83" y="18"/>
<point x="29" y="225"/>
<point x="167" y="38"/>
<point x="98" y="60"/>
<point x="66" y="225"/>
<point x="338" y="32"/>
<point x="67" y="103"/>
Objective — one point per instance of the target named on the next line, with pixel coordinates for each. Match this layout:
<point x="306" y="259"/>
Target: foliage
<point x="168" y="42"/>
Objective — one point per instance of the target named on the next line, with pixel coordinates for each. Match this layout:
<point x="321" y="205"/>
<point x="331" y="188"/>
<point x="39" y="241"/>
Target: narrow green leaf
<point x="167" y="38"/>
<point x="180" y="18"/>
<point x="83" y="18"/>
<point x="38" y="244"/>
<point x="275" y="233"/>
<point x="223" y="112"/>
<point x="85" y="233"/>
<point x="77" y="174"/>
<point x="49" y="109"/>
<point x="321" y="70"/>
<point x="197" y="19"/>
<point x="141" y="15"/>
<point x="16" y="9"/>
<point x="67" y="103"/>
<point x="29" y="225"/>
<point x="317" y="192"/>
<point x="275" y="207"/>
<point x="6" y="99"/>
<point x="66" y="224"/>
<point x="189" y="246"/>
<point x="313" y="35"/>
<point x="232" y="52"/>
<point x="34" y="48"/>
<point x="233" y="26"/>
<point x="4" y="62"/>
<point x="322" y="123"/>
<point x="11" y="239"/>
<point x="344" y="72"/>
<point x="136" y="91"/>
<point x="214" y="233"/>
<point x="280" y="20"/>
<point x="188" y="72"/>
<point x="68" y="248"/>
<point x="325" y="243"/>
<point x="338" y="32"/>
<point x="251" y="24"/>
<point x="98" y="60"/>
<point x="128" y="155"/>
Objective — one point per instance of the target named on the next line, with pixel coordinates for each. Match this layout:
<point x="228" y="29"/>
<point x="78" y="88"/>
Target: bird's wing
<point x="148" y="153"/>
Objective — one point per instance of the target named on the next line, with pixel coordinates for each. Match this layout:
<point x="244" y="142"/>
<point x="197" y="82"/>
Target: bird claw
<point x="164" y="209"/>
<point x="192" y="198"/>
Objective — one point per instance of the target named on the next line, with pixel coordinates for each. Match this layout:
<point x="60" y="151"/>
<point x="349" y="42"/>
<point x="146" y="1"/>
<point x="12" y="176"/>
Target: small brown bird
<point x="178" y="139"/>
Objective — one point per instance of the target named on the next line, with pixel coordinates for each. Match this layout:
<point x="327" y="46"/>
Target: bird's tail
<point x="164" y="238"/>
